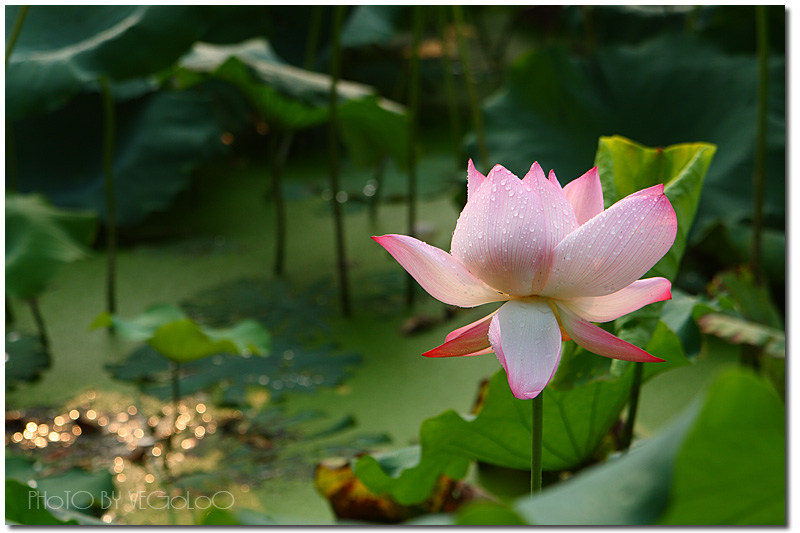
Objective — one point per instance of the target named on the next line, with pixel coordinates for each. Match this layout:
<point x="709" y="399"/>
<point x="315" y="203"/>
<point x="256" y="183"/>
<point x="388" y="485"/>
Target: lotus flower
<point x="558" y="260"/>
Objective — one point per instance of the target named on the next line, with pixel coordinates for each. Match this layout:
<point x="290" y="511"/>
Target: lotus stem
<point x="39" y="320"/>
<point x="9" y="312"/>
<point x="536" y="443"/>
<point x="175" y="369"/>
<point x="477" y="117"/>
<point x="11" y="167"/>
<point x="633" y="405"/>
<point x="450" y="91"/>
<point x="759" y="174"/>
<point x="374" y="200"/>
<point x="12" y="41"/>
<point x="413" y="105"/>
<point x="312" y="41"/>
<point x="111" y="205"/>
<point x="280" y="144"/>
<point x="333" y="132"/>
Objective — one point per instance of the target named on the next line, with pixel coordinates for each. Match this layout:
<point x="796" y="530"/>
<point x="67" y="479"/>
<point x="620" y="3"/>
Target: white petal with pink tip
<point x="527" y="340"/>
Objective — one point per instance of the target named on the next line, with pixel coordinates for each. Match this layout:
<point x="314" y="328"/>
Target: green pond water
<point x="221" y="232"/>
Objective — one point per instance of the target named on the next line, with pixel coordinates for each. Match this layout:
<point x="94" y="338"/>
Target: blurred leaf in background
<point x="665" y="90"/>
<point x="40" y="239"/>
<point x="160" y="138"/>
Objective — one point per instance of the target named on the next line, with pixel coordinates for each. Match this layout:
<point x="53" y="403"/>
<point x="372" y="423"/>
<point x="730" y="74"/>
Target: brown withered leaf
<point x="351" y="499"/>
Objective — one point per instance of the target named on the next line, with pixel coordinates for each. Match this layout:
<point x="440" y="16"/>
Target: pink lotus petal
<point x="551" y="177"/>
<point x="474" y="179"/>
<point x="527" y="340"/>
<point x="615" y="248"/>
<point x="599" y="341"/>
<point x="500" y="236"/>
<point x="624" y="301"/>
<point x="586" y="196"/>
<point x="443" y="276"/>
<point x="558" y="218"/>
<point x="472" y="339"/>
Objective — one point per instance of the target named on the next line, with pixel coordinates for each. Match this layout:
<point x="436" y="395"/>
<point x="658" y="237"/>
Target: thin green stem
<point x="11" y="160"/>
<point x="11" y="166"/>
<point x="413" y="106"/>
<point x="111" y="204"/>
<point x="536" y="443"/>
<point x="374" y="200"/>
<point x="12" y="41"/>
<point x="633" y="405"/>
<point x="588" y="29"/>
<point x="759" y="174"/>
<point x="450" y="91"/>
<point x="9" y="312"/>
<point x="312" y="41"/>
<point x="280" y="144"/>
<point x="333" y="137"/>
<point x="175" y="369"/>
<point x="477" y="117"/>
<point x="39" y="320"/>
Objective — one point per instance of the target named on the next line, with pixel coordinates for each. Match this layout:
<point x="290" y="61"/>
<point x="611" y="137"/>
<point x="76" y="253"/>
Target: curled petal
<point x="599" y="341"/>
<point x="472" y="339"/>
<point x="443" y="276"/>
<point x="500" y="236"/>
<point x="615" y="248"/>
<point x="586" y="196"/>
<point x="624" y="301"/>
<point x="474" y="179"/>
<point x="527" y="340"/>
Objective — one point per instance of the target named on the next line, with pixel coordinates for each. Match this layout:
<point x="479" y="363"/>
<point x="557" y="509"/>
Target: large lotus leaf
<point x="292" y="99"/>
<point x="731" y="469"/>
<point x="62" y="50"/>
<point x="668" y="90"/>
<point x="159" y="140"/>
<point x="19" y="509"/>
<point x="40" y="239"/>
<point x="301" y="359"/>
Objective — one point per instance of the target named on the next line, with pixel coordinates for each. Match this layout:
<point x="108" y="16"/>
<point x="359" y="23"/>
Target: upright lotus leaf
<point x="171" y="333"/>
<point x="731" y="469"/>
<point x="160" y="139"/>
<point x="662" y="91"/>
<point x="62" y="50"/>
<point x="577" y="418"/>
<point x="626" y="167"/>
<point x="40" y="239"/>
